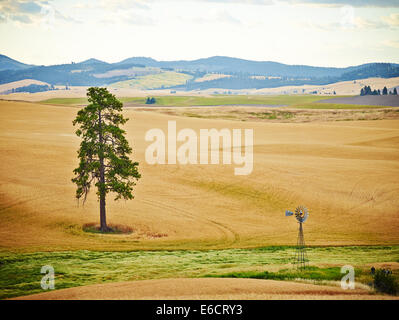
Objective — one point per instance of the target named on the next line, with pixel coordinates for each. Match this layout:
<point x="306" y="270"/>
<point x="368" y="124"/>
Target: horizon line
<point x="195" y="59"/>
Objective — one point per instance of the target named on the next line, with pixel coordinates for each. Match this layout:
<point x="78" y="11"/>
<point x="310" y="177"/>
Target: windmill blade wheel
<point x="301" y="214"/>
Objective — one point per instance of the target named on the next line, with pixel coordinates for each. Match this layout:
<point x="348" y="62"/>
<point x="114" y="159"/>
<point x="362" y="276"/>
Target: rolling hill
<point x="228" y="65"/>
<point x="229" y="73"/>
<point x="7" y="63"/>
<point x="153" y="81"/>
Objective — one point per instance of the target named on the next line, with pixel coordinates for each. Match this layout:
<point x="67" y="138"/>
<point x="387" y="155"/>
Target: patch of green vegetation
<point x="192" y="115"/>
<point x="171" y="78"/>
<point x="334" y="106"/>
<point x="287" y="115"/>
<point x="65" y="101"/>
<point x="385" y="282"/>
<point x="209" y="116"/>
<point x="309" y="273"/>
<point x="75" y="101"/>
<point x="264" y="115"/>
<point x="20" y="272"/>
<point x="160" y="80"/>
<point x="112" y="229"/>
<point x="221" y="100"/>
<point x="273" y="115"/>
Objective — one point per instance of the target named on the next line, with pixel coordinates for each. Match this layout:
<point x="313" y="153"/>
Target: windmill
<point x="301" y="214"/>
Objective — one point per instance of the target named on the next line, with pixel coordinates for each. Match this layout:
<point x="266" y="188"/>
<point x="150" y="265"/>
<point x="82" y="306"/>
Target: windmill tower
<point x="301" y="259"/>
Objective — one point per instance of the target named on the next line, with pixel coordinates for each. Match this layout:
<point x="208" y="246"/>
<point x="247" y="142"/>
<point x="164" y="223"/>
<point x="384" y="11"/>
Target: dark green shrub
<point x="150" y="100"/>
<point x="385" y="282"/>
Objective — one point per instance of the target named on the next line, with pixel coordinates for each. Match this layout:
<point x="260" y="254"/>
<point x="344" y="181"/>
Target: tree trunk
<point x="103" y="219"/>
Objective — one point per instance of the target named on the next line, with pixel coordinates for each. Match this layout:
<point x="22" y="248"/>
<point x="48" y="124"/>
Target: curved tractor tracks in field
<point x="18" y="202"/>
<point x="229" y="236"/>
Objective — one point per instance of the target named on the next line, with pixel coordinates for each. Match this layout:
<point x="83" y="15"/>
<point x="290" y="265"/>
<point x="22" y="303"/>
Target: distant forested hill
<point x="237" y="73"/>
<point x="7" y="63"/>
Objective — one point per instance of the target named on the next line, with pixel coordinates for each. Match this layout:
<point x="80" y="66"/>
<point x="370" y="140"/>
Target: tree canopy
<point x="104" y="150"/>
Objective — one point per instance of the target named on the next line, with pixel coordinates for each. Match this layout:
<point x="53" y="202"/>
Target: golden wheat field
<point x="207" y="289"/>
<point x="346" y="173"/>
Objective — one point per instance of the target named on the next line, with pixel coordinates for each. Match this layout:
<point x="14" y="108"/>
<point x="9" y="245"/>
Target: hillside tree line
<point x="367" y="91"/>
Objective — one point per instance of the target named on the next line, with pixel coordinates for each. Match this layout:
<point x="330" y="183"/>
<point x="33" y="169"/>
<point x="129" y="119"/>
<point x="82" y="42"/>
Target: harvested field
<point x="277" y="113"/>
<point x="346" y="172"/>
<point x="206" y="289"/>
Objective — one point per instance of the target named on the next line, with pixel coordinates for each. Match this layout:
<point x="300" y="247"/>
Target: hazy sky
<point x="313" y="32"/>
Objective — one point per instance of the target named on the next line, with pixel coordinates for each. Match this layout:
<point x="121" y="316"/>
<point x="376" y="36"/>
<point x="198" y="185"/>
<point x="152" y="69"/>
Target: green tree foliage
<point x="150" y="100"/>
<point x="385" y="91"/>
<point x="368" y="91"/>
<point x="32" y="88"/>
<point x="104" y="151"/>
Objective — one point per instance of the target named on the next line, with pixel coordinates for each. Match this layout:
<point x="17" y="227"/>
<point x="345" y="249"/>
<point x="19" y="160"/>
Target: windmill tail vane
<point x="288" y="213"/>
<point x="301" y="214"/>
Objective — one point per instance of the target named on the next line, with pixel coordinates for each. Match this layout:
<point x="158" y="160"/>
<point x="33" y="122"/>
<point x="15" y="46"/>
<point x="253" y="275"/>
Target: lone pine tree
<point x="104" y="151"/>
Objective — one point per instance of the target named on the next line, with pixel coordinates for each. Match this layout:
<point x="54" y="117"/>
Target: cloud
<point x="29" y="7"/>
<point x="21" y="18"/>
<point x="256" y="2"/>
<point x="20" y="10"/>
<point x="353" y="3"/>
<point x="123" y="4"/>
<point x="361" y="23"/>
<point x="214" y="16"/>
<point x="128" y="18"/>
<point x="30" y="12"/>
<point x="391" y="43"/>
<point x="331" y="3"/>
<point x="111" y="12"/>
<point x="355" y="22"/>
<point x="392" y="20"/>
<point x="224" y="16"/>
